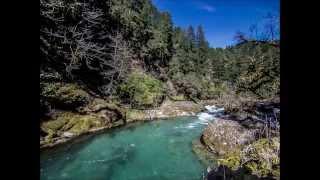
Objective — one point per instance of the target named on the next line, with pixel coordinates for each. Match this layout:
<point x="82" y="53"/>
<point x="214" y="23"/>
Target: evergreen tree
<point x="202" y="49"/>
<point x="201" y="41"/>
<point x="191" y="37"/>
<point x="181" y="62"/>
<point x="166" y="30"/>
<point x="159" y="47"/>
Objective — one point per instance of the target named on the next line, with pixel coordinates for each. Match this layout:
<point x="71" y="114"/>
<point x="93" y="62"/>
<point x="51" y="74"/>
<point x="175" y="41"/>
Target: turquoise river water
<point x="157" y="150"/>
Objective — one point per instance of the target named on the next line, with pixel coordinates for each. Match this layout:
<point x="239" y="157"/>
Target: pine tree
<point x="181" y="62"/>
<point x="159" y="47"/>
<point x="202" y="50"/>
<point x="201" y="41"/>
<point x="166" y="30"/>
<point x="191" y="37"/>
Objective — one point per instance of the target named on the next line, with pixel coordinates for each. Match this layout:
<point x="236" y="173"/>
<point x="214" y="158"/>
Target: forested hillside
<point x="129" y="51"/>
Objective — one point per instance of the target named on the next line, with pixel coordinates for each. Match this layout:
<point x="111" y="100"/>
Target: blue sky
<point x="221" y="19"/>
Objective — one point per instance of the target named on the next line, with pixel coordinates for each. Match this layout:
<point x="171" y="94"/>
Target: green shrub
<point x="263" y="157"/>
<point x="64" y="95"/>
<point x="197" y="87"/>
<point x="232" y="160"/>
<point x="188" y="84"/>
<point x="212" y="90"/>
<point x="142" y="90"/>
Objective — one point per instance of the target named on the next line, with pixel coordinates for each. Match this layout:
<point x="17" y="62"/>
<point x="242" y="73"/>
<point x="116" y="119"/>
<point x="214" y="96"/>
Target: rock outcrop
<point x="222" y="136"/>
<point x="239" y="154"/>
<point x="62" y="126"/>
<point x="99" y="114"/>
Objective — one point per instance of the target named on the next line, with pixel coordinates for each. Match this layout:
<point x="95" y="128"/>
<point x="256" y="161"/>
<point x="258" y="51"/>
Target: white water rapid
<point x="205" y="117"/>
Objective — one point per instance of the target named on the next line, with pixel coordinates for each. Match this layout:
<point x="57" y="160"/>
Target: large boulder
<point x="222" y="136"/>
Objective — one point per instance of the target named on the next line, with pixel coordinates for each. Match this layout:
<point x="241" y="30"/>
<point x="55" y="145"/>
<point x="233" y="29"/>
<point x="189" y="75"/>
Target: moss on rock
<point x="71" y="122"/>
<point x="261" y="158"/>
<point x="180" y="97"/>
<point x="100" y="104"/>
<point x="56" y="124"/>
<point x="83" y="124"/>
<point x="237" y="149"/>
<point x="50" y="135"/>
<point x="135" y="114"/>
<point x="232" y="159"/>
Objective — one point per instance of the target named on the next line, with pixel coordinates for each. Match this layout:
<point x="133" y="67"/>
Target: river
<point x="157" y="150"/>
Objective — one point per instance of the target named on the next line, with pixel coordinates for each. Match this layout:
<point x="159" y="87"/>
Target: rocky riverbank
<point x="98" y="115"/>
<point x="246" y="147"/>
<point x="167" y="109"/>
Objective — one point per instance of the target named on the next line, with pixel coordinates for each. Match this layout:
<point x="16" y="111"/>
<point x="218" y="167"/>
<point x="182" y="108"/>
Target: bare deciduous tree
<point x="76" y="35"/>
<point x="269" y="32"/>
<point x="119" y="63"/>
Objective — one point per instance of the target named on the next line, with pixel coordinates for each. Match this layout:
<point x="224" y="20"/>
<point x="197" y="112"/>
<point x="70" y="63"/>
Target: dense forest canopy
<point x="104" y="45"/>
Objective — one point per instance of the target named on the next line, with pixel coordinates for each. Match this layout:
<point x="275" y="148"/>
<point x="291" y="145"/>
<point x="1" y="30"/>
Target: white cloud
<point x="208" y="8"/>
